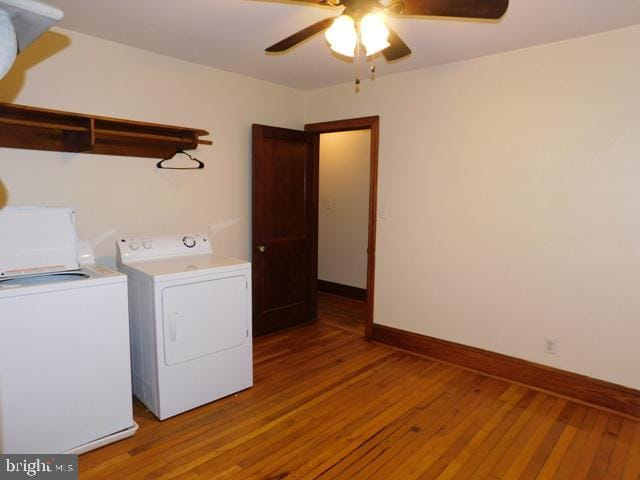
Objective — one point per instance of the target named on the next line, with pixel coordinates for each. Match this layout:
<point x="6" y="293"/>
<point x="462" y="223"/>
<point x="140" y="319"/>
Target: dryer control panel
<point x="166" y="246"/>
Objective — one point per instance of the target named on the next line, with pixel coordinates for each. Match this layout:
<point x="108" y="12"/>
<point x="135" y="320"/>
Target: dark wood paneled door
<point x="285" y="192"/>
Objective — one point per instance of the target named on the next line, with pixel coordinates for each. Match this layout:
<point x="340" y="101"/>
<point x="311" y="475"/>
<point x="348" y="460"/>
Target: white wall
<point x="512" y="184"/>
<point x="117" y="196"/>
<point x="344" y="207"/>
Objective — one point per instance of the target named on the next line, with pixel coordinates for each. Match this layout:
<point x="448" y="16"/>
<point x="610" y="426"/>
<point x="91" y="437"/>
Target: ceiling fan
<point x="361" y="23"/>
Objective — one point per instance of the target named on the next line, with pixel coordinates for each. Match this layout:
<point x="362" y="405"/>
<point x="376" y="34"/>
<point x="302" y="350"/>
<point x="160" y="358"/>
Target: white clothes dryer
<point x="190" y="315"/>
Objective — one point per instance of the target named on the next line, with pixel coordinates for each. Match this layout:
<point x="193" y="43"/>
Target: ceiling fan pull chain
<point x="373" y="68"/>
<point x="357" y="59"/>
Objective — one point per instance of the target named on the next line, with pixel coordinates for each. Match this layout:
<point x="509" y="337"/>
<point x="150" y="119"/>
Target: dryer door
<point x="204" y="318"/>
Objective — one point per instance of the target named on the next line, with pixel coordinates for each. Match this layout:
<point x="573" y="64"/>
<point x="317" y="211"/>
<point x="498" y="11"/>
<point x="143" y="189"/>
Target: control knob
<point x="189" y="242"/>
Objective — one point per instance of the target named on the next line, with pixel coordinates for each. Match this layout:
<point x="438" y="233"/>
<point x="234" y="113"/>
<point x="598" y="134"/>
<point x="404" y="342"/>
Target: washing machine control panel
<point x="148" y="248"/>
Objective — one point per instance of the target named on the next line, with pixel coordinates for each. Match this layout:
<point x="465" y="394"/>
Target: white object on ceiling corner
<point x="21" y="22"/>
<point x="9" y="43"/>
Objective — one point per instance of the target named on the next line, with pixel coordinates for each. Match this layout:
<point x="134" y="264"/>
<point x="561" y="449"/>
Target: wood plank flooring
<point x="327" y="404"/>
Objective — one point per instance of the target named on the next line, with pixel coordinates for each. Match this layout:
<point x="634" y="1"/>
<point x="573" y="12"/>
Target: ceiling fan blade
<point x="398" y="48"/>
<point x="489" y="9"/>
<point x="329" y="3"/>
<point x="300" y="36"/>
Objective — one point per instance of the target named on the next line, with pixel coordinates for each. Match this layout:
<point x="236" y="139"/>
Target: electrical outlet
<point x="551" y="345"/>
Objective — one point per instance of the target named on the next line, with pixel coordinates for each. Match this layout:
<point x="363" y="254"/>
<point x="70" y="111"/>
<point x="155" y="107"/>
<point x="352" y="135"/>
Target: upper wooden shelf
<point x="41" y="129"/>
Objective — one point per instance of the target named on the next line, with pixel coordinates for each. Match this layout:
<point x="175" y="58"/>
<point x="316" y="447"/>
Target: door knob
<point x="262" y="248"/>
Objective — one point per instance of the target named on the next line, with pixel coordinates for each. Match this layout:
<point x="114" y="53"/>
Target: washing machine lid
<point x="36" y="240"/>
<point x="187" y="265"/>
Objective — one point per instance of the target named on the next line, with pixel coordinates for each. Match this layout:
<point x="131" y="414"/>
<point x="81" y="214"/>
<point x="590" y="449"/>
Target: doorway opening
<point x="285" y="208"/>
<point x="347" y="165"/>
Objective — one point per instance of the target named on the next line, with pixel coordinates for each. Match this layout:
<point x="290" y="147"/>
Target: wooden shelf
<point x="41" y="129"/>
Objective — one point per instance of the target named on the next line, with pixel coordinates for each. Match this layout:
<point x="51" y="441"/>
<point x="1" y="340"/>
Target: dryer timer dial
<point x="189" y="242"/>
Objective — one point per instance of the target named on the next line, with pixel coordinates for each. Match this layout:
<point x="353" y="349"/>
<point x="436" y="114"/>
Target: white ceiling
<point x="232" y="34"/>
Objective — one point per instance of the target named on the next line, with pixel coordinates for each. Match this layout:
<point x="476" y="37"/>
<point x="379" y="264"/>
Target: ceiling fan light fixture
<point x="374" y="33"/>
<point x="342" y="36"/>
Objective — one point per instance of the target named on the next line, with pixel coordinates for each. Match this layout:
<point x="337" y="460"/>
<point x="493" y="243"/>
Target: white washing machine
<point x="190" y="315"/>
<point x="65" y="376"/>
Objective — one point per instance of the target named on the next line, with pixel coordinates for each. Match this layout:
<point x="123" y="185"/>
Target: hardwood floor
<point x="327" y="404"/>
<point x="342" y="312"/>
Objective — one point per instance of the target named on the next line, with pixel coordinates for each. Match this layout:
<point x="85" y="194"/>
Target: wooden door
<point x="285" y="210"/>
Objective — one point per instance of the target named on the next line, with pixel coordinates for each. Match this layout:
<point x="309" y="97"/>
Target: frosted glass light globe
<point x="342" y="36"/>
<point x="374" y="33"/>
